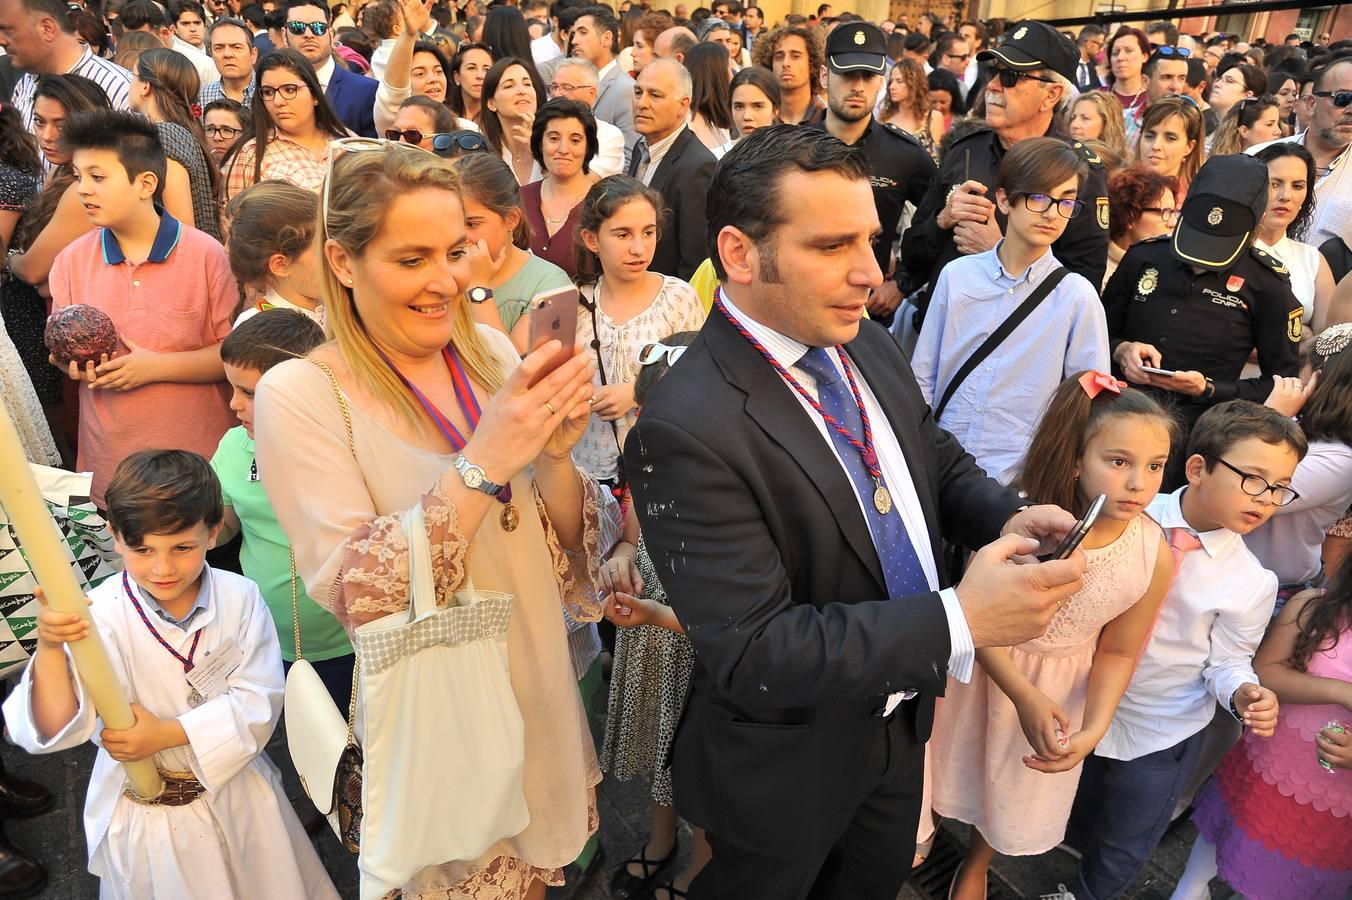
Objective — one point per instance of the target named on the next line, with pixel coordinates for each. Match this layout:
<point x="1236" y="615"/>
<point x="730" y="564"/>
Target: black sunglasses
<point x="1010" y="77"/>
<point x="318" y="29"/>
<point x="449" y="142"/>
<point x="1341" y="99"/>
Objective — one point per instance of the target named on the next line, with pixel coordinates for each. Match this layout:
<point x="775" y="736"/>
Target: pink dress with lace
<point x="978" y="745"/>
<point x="344" y="514"/>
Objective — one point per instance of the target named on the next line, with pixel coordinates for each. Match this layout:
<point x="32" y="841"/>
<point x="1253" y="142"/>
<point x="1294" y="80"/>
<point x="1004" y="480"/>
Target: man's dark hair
<point x="139" y="14"/>
<point x="271" y="337"/>
<point x="130" y="135"/>
<point x="253" y="14"/>
<point x="1168" y="29"/>
<point x="274" y="19"/>
<point x="56" y="10"/>
<point x="318" y="4"/>
<point x="944" y="45"/>
<point x="1090" y="31"/>
<point x="1156" y="58"/>
<point x="226" y="22"/>
<point x="822" y="9"/>
<point x="983" y="37"/>
<point x="1226" y="424"/>
<point x="604" y="20"/>
<point x="1198" y="74"/>
<point x="745" y="191"/>
<point x="162" y="492"/>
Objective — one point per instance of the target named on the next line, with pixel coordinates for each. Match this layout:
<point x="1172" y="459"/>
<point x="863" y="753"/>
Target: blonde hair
<point x="1109" y="108"/>
<point x="361" y="187"/>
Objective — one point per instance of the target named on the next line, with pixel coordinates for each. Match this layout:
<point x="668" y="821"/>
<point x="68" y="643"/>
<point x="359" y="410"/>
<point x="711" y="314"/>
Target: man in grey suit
<point x="596" y="37"/>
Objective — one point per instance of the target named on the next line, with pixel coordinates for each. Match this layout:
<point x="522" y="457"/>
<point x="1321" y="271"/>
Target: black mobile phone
<point x="1076" y="535"/>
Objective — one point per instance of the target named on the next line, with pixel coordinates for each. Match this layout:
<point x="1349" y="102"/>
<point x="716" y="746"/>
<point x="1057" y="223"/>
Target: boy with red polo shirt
<point x="166" y="286"/>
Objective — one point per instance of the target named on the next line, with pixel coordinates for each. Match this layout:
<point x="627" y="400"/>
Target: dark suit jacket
<point x="682" y="178"/>
<point x="1090" y="83"/>
<point x="756" y="535"/>
<point x="353" y="97"/>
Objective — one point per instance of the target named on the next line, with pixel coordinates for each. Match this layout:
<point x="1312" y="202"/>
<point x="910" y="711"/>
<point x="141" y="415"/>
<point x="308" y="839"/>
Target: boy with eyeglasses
<point x="1240" y="461"/>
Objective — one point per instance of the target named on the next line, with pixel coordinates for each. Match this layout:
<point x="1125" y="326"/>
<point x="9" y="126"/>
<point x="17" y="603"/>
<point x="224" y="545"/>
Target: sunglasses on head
<point x="318" y="29"/>
<point x="1010" y="77"/>
<point x="1166" y="51"/>
<point x="1341" y="99"/>
<point x="1184" y="98"/>
<point x="353" y="145"/>
<point x="444" y="141"/>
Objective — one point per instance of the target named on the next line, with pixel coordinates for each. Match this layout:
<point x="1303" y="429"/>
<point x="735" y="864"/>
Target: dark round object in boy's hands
<point x="80" y="333"/>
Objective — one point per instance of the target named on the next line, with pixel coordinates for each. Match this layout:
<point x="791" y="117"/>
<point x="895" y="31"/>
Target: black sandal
<point x="673" y="892"/>
<point x="624" y="886"/>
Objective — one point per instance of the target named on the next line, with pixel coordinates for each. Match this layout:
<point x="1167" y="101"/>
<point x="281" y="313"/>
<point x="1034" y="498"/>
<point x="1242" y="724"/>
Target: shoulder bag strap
<point x="998" y="336"/>
<point x="590" y="306"/>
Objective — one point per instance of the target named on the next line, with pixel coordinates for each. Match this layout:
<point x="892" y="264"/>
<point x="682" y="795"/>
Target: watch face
<point x="473" y="476"/>
<point x="478" y="294"/>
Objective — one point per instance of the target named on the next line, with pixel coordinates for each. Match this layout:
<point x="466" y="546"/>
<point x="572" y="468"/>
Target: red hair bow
<point x="196" y="110"/>
<point x="1095" y="383"/>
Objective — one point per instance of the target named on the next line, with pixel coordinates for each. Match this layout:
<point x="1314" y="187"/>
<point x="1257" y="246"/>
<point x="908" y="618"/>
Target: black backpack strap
<point x="998" y="336"/>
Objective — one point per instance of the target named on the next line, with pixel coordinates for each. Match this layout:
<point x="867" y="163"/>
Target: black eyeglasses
<point x="1257" y="485"/>
<point x="1010" y="77"/>
<point x="288" y="92"/>
<point x="1341" y="99"/>
<point x="318" y="29"/>
<point x="458" y="141"/>
<point x="1040" y="203"/>
<point x="222" y="131"/>
<point x="1166" y="51"/>
<point x="1168" y="215"/>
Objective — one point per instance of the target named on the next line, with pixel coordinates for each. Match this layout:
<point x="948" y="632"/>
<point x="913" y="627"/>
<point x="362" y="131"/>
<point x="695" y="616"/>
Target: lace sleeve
<point x="575" y="570"/>
<point x="373" y="576"/>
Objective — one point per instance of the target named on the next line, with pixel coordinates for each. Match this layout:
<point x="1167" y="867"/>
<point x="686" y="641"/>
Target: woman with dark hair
<point x="90" y="32"/>
<point x="419" y="119"/>
<point x="563" y="142"/>
<point x="416" y="68"/>
<point x="52" y="218"/>
<point x="1250" y="122"/>
<point x="1285" y="86"/>
<point x="946" y="97"/>
<point x="164" y="88"/>
<point x="710" y="98"/>
<point x="1141" y="205"/>
<point x="505" y="34"/>
<point x="1291" y="179"/>
<point x="468" y="68"/>
<point x="511" y="95"/>
<point x="1235" y="83"/>
<point x="1127" y="52"/>
<point x="755" y="104"/>
<point x="293" y="124"/>
<point x="907" y="106"/>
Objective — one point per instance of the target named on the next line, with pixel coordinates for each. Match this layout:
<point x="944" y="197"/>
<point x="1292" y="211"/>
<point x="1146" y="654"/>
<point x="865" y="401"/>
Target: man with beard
<point x="902" y="171"/>
<point x="794" y="54"/>
<point x="352" y="96"/>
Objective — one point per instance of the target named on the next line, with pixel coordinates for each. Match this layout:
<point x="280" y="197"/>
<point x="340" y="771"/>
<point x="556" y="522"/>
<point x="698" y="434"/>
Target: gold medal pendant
<point x="882" y="499"/>
<point x="510" y="518"/>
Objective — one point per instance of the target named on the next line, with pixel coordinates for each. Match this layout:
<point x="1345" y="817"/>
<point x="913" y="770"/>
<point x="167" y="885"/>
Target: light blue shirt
<point x="996" y="410"/>
<point x="199" y="605"/>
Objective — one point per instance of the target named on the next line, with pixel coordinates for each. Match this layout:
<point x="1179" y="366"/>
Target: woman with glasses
<point x="1250" y="122"/>
<point x="563" y="143"/>
<point x="624" y="306"/>
<point x="994" y="411"/>
<point x="1235" y="84"/>
<point x="1171" y="141"/>
<point x="510" y="99"/>
<point x="1141" y="205"/>
<point x="468" y="68"/>
<point x="292" y="125"/>
<point x="428" y="411"/>
<point x="420" y="120"/>
<point x="164" y="88"/>
<point x="223" y="121"/>
<point x="907" y="106"/>
<point x="1127" y="53"/>
<point x="1281" y="232"/>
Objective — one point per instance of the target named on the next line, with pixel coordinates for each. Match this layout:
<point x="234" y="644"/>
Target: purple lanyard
<point x="192" y="651"/>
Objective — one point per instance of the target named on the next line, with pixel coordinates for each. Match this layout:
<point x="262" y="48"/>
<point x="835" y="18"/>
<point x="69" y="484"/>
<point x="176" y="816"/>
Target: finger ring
<point x="593" y="400"/>
<point x="549" y="406"/>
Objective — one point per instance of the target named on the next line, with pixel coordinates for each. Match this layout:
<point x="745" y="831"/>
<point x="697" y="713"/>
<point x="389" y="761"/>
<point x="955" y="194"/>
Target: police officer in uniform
<point x="856" y="54"/>
<point x="1023" y="97"/>
<point x="1196" y="303"/>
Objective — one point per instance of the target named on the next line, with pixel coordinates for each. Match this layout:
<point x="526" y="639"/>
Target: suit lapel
<point x="335" y="89"/>
<point x="772" y="406"/>
<point x="659" y="179"/>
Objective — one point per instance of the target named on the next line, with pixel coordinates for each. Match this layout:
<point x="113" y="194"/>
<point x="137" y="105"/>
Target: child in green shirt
<point x="251" y="349"/>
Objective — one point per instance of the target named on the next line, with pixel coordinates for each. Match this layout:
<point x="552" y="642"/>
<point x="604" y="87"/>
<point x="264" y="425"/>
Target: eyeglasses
<point x="1166" y="51"/>
<point x="1040" y="203"/>
<point x="1010" y="77"/>
<point x="1168" y="215"/>
<point x="462" y="141"/>
<point x="957" y="56"/>
<point x="1257" y="485"/>
<point x="555" y="89"/>
<point x="352" y="145"/>
<point x="649" y="354"/>
<point x="318" y="29"/>
<point x="288" y="92"/>
<point x="222" y="131"/>
<point x="1341" y="99"/>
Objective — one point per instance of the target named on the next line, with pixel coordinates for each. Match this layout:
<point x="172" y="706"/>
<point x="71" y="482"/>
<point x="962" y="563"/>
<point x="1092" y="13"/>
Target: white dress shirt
<point x="657" y="152"/>
<point x="206" y="69"/>
<point x="896" y="474"/>
<point x="380" y="57"/>
<point x="1202" y="648"/>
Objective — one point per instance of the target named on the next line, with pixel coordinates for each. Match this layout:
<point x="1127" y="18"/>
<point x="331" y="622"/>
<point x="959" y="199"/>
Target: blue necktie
<point x="901" y="565"/>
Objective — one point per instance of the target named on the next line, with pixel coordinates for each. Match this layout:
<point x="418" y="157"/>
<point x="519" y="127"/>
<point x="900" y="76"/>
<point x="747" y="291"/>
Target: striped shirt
<point x="115" y="81"/>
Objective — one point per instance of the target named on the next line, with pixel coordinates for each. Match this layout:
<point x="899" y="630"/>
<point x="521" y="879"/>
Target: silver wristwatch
<point x="474" y="477"/>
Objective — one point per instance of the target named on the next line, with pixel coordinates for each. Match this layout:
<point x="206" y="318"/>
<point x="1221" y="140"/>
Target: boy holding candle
<point x="196" y="651"/>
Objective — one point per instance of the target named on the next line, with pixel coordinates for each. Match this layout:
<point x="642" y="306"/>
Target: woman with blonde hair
<point x="1097" y="116"/>
<point x="1250" y="122"/>
<point x="906" y="104"/>
<point x="417" y="408"/>
<point x="1171" y="141"/>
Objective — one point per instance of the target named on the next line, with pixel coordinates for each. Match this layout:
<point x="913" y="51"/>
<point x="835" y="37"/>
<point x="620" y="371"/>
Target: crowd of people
<point x="900" y="305"/>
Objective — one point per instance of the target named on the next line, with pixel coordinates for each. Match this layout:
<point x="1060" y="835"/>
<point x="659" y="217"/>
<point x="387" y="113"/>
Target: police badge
<point x="1150" y="279"/>
<point x="1018" y="35"/>
<point x="1214" y="217"/>
<point x="1102" y="210"/>
<point x="1293" y="325"/>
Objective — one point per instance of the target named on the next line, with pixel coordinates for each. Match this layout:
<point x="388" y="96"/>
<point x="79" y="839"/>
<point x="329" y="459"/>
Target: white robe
<point x="241" y="838"/>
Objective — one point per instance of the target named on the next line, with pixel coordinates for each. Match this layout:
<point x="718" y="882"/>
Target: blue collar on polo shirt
<point x="166" y="239"/>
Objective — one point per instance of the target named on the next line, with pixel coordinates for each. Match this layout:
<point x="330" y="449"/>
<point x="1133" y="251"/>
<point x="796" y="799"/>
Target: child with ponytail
<point x="1008" y="746"/>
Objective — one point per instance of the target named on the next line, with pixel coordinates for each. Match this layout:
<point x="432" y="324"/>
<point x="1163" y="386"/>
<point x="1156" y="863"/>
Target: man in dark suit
<point x="672" y="161"/>
<point x="793" y="490"/>
<point x="1090" y="44"/>
<point x="352" y="96"/>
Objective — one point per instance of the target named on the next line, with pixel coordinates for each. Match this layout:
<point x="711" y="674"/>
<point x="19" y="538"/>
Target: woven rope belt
<point x="180" y="789"/>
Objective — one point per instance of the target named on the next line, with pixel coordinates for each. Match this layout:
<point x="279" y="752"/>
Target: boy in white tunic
<point x="196" y="652"/>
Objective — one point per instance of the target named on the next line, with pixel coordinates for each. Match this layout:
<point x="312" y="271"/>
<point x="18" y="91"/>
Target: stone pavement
<point x="57" y="840"/>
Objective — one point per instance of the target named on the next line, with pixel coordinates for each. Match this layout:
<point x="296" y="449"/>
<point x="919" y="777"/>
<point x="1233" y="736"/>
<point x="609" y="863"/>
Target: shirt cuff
<point x="962" y="654"/>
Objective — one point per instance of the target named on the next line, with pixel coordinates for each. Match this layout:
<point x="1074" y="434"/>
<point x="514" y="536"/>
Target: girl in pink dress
<point x="1276" y="819"/>
<point x="1007" y="746"/>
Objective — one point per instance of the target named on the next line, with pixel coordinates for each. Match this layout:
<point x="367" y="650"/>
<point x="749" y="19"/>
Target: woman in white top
<point x="624" y="307"/>
<point x="510" y="99"/>
<point x="416" y="69"/>
<point x="272" y="249"/>
<point x="1291" y="178"/>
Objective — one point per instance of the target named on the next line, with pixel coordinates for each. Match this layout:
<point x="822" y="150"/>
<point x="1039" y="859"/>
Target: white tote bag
<point x="442" y="736"/>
